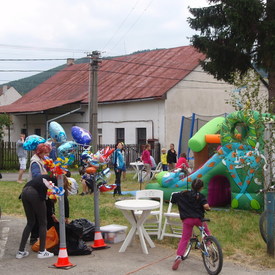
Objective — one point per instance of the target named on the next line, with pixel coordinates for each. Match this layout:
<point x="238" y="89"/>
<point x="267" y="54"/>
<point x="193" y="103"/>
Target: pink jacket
<point x="146" y="157"/>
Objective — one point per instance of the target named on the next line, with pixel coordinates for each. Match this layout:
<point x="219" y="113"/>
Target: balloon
<point x="32" y="141"/>
<point x="81" y="135"/>
<point x="57" y="132"/>
<point x="66" y="148"/>
<point x="91" y="170"/>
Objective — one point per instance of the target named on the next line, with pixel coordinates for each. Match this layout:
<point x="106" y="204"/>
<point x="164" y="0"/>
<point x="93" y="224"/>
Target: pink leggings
<point x="187" y="229"/>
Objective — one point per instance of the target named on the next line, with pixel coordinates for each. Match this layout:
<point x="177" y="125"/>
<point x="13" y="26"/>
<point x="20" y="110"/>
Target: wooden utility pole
<point x="95" y="60"/>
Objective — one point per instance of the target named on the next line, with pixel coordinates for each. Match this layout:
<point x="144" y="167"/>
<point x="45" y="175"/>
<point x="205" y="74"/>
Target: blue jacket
<point x="118" y="160"/>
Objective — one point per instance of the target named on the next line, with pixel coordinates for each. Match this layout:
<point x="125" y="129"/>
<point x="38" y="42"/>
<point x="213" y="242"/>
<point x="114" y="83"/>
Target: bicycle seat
<point x="205" y="220"/>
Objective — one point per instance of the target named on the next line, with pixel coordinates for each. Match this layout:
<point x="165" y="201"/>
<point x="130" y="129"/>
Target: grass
<point x="237" y="230"/>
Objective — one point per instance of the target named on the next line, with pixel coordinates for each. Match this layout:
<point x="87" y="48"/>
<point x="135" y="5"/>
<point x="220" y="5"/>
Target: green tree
<point x="5" y="120"/>
<point x="234" y="35"/>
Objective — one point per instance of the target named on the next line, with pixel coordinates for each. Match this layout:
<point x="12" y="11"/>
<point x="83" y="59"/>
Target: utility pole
<point x="95" y="60"/>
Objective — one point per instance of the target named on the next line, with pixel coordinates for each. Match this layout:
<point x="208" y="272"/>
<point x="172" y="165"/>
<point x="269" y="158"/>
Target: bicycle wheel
<point x="212" y="257"/>
<point x="187" y="251"/>
<point x="262" y="226"/>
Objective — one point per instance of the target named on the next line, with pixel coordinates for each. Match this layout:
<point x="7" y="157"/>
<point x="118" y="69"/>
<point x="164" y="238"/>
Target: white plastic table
<point x="128" y="207"/>
<point x="138" y="166"/>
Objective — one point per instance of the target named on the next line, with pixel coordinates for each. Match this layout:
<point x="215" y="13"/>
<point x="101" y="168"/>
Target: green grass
<point x="237" y="230"/>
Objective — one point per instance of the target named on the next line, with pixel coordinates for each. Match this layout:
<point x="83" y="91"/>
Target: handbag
<point x="52" y="240"/>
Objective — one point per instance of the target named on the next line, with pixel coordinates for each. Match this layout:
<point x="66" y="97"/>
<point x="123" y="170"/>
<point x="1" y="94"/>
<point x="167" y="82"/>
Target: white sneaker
<point x="45" y="254"/>
<point x="22" y="254"/>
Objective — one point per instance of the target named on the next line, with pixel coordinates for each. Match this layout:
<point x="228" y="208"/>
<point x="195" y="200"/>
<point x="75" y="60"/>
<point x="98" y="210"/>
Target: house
<point x="8" y="95"/>
<point x="141" y="97"/>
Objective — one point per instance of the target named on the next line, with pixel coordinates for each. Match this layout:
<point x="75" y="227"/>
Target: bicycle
<point x="263" y="217"/>
<point x="210" y="248"/>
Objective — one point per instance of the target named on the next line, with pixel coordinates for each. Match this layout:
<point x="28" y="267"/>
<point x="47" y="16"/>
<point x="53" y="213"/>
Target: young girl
<point x="192" y="205"/>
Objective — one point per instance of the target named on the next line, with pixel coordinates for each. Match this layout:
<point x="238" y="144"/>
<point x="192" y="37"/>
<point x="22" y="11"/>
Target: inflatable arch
<point x="234" y="173"/>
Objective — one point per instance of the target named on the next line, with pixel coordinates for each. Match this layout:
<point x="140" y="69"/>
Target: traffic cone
<point x="99" y="241"/>
<point x="63" y="260"/>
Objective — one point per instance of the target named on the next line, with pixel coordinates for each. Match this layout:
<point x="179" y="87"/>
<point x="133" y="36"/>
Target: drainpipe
<point x="50" y="120"/>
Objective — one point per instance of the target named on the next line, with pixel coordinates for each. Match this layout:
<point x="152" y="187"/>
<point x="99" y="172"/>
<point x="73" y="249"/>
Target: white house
<point x="141" y="97"/>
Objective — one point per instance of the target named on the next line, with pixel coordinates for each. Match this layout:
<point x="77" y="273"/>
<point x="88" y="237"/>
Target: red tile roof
<point x="137" y="76"/>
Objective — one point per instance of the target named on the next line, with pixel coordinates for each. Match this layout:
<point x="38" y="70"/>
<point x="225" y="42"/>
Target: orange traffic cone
<point x="98" y="241"/>
<point x="63" y="260"/>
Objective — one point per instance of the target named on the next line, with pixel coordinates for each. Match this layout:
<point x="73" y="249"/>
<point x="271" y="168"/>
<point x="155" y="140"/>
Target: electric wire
<point x="130" y="28"/>
<point x="120" y="26"/>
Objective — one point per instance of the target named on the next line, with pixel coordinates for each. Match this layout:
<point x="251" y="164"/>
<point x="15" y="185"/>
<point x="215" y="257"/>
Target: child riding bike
<point x="192" y="205"/>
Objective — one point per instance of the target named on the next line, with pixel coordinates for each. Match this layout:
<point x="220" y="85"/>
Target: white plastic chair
<point x="157" y="170"/>
<point x="172" y="221"/>
<point x="153" y="223"/>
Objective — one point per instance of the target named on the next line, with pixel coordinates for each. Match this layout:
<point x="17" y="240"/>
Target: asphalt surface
<point x="106" y="261"/>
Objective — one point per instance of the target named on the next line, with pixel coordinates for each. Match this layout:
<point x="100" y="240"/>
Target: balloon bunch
<point x="96" y="165"/>
<point x="58" y="167"/>
<point x="53" y="191"/>
<point x="98" y="161"/>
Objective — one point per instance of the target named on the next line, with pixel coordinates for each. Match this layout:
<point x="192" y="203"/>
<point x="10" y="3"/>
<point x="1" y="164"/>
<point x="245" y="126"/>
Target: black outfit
<point x="190" y="204"/>
<point x="50" y="205"/>
<point x="34" y="202"/>
<point x="171" y="156"/>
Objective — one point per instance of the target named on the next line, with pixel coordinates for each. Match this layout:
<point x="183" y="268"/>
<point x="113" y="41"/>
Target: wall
<point x="8" y="96"/>
<point x="198" y="93"/>
<point x="143" y="114"/>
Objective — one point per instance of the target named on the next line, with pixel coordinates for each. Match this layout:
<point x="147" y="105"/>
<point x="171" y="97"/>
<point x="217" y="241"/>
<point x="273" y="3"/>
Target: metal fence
<point x="9" y="159"/>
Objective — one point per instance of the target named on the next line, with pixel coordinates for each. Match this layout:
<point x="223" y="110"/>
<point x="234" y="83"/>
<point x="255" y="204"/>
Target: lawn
<point x="237" y="230"/>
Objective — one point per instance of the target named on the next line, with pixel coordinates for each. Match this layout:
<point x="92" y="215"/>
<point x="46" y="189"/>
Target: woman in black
<point x="34" y="197"/>
<point x="172" y="157"/>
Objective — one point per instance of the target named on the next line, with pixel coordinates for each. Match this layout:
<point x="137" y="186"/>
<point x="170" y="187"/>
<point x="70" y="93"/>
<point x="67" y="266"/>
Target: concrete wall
<point x="8" y="95"/>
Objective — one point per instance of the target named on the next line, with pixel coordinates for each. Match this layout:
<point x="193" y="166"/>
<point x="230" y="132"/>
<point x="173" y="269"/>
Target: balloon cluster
<point x="96" y="165"/>
<point x="57" y="167"/>
<point x="98" y="161"/>
<point x="53" y="191"/>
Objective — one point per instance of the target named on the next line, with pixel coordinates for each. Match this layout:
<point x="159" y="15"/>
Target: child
<point x="163" y="159"/>
<point x="192" y="205"/>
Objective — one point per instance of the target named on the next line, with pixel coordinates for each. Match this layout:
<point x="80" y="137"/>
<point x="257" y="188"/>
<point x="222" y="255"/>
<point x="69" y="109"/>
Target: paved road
<point x="102" y="262"/>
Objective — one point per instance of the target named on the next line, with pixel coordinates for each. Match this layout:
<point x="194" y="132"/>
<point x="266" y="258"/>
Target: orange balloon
<point x="90" y="170"/>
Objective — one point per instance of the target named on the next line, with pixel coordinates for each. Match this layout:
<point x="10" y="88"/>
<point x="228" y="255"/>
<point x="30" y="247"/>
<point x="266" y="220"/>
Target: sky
<point x="59" y="29"/>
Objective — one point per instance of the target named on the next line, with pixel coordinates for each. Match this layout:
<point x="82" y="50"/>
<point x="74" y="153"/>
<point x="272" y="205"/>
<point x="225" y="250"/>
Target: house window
<point x="37" y="132"/>
<point x="141" y="138"/>
<point x="120" y="135"/>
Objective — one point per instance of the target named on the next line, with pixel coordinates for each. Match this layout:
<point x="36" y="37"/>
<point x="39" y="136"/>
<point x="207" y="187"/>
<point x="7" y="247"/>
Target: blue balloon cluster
<point x="81" y="136"/>
<point x="57" y="132"/>
<point x="32" y="141"/>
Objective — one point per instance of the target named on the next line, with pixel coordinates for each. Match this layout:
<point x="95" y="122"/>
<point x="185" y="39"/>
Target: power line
<point x="42" y="48"/>
<point x="130" y="28"/>
<point x="32" y="59"/>
<point x="121" y="24"/>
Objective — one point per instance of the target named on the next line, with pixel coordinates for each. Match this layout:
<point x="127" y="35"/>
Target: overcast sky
<point x="59" y="29"/>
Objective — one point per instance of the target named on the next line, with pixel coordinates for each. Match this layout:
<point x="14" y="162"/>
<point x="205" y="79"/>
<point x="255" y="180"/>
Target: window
<point x="120" y="135"/>
<point x="141" y="137"/>
<point x="37" y="132"/>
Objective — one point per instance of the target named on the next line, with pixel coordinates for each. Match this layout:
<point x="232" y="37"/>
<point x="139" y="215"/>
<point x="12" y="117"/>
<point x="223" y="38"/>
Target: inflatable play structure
<point x="234" y="173"/>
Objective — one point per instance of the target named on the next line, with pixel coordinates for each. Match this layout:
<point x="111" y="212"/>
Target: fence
<point x="9" y="159"/>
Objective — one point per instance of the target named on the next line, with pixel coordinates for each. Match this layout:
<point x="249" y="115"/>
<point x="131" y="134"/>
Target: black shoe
<point x="82" y="194"/>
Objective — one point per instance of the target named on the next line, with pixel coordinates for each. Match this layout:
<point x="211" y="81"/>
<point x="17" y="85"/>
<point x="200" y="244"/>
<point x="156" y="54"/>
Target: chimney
<point x="70" y="61"/>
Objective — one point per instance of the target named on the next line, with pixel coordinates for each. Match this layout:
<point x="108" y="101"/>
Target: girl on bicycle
<point x="192" y="205"/>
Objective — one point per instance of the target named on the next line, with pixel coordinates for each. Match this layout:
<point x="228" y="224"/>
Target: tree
<point x="235" y="35"/>
<point x="5" y="120"/>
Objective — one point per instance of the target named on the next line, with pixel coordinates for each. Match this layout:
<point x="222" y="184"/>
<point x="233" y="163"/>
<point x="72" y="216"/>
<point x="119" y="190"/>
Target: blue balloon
<point x="66" y="148"/>
<point x="81" y="135"/>
<point x="57" y="132"/>
<point x="32" y="141"/>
